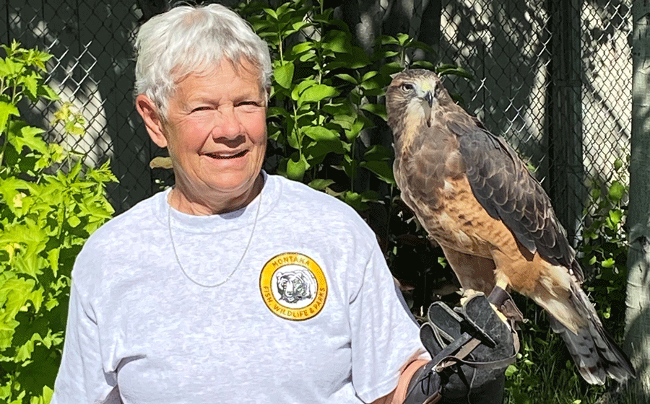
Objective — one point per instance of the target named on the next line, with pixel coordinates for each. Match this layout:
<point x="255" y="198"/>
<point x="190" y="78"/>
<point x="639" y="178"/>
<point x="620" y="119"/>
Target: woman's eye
<point x="408" y="87"/>
<point x="199" y="109"/>
<point x="250" y="103"/>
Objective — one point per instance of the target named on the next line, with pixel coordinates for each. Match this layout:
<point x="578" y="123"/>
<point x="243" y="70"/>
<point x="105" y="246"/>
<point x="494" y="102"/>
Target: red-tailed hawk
<point x="493" y="220"/>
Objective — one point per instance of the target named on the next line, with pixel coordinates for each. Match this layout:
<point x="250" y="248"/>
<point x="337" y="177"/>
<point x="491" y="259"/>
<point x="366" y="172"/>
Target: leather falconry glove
<point x="471" y="349"/>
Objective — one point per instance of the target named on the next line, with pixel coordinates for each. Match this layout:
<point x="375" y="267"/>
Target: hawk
<point x="492" y="218"/>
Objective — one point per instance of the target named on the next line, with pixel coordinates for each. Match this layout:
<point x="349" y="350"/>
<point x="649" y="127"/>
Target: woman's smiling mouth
<point x="226" y="156"/>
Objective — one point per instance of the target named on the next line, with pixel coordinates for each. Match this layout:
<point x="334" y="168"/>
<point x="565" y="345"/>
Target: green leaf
<point x="337" y="41"/>
<point x="320" y="184"/>
<point x="369" y="75"/>
<point x="355" y="200"/>
<point x="320" y="133"/>
<point x="12" y="67"/>
<point x="53" y="259"/>
<point x="284" y="74"/>
<point x="6" y="110"/>
<point x="378" y="152"/>
<point x="420" y="45"/>
<point x="615" y="215"/>
<point x="616" y="191"/>
<point x="17" y="291"/>
<point x="10" y="190"/>
<point x="356" y="59"/>
<point x="30" y="137"/>
<point x="31" y="81"/>
<point x="389" y="54"/>
<point x="390" y="68"/>
<point x="511" y="370"/>
<point x="608" y="263"/>
<point x="388" y="40"/>
<point x="316" y="93"/>
<point x="377" y="109"/>
<point x="618" y="163"/>
<point x="445" y="70"/>
<point x="315" y="152"/>
<point x="271" y="13"/>
<point x="297" y="91"/>
<point x="357" y="126"/>
<point x="301" y="48"/>
<point x="296" y="168"/>
<point x="381" y="169"/>
<point x="47" y="92"/>
<point x="403" y="39"/>
<point x="293" y="139"/>
<point x="277" y="111"/>
<point x="422" y="64"/>
<point x="347" y="77"/>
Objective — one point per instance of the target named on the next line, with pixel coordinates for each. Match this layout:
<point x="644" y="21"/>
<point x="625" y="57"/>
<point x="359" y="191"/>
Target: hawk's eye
<point x="408" y="87"/>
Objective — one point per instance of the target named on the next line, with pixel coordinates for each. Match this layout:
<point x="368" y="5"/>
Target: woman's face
<point x="216" y="135"/>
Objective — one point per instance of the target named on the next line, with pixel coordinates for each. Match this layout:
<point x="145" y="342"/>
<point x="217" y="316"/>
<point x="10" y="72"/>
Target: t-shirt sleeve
<point x="384" y="334"/>
<point x="80" y="378"/>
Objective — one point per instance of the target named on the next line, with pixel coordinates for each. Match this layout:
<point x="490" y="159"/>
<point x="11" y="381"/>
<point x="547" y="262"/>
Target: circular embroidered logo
<point x="293" y="286"/>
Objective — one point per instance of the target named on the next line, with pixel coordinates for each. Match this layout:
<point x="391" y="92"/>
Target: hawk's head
<point x="412" y="98"/>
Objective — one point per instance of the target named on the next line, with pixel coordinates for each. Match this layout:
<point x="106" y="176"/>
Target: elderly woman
<point x="234" y="285"/>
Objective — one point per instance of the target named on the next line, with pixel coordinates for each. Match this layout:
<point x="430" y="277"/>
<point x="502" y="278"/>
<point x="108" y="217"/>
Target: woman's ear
<point x="152" y="121"/>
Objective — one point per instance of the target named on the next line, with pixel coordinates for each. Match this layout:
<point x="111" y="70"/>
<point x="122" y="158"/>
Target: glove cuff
<point x="424" y="387"/>
<point x="410" y="373"/>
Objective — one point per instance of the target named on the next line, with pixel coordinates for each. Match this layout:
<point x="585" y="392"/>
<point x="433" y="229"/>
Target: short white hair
<point x="189" y="39"/>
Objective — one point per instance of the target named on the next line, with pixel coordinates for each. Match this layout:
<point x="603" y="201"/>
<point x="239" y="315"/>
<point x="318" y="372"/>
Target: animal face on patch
<point x="294" y="286"/>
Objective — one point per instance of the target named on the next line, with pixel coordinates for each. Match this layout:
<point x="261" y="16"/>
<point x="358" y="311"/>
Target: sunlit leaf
<point x="6" y="110"/>
<point x="316" y="93"/>
<point x="616" y="191"/>
<point x="284" y="74"/>
<point x="320" y="184"/>
<point x="320" y="133"/>
<point x="296" y="168"/>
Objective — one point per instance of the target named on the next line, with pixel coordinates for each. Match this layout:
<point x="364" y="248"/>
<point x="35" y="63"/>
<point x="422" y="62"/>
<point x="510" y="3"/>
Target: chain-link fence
<point x="554" y="78"/>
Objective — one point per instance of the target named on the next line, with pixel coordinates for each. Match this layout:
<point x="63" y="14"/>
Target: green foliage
<point x="604" y="248"/>
<point x="320" y="100"/>
<point x="50" y="202"/>
<point x="544" y="372"/>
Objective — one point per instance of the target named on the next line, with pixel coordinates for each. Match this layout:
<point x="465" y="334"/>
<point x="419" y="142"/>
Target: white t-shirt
<point x="311" y="315"/>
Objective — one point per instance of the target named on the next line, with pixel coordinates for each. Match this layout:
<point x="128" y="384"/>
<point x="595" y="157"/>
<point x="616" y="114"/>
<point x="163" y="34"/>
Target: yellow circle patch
<point x="293" y="286"/>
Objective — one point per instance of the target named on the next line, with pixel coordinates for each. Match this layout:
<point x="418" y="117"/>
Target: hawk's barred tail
<point x="593" y="350"/>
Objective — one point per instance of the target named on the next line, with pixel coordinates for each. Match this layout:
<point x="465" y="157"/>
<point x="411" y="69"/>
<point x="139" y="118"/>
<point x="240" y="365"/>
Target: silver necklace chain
<point x="178" y="260"/>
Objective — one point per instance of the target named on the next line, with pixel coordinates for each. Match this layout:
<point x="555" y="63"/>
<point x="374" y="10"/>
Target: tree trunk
<point x="637" y="333"/>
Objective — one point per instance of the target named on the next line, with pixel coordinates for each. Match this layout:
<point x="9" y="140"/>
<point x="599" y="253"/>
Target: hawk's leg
<point x="474" y="273"/>
<point x="477" y="275"/>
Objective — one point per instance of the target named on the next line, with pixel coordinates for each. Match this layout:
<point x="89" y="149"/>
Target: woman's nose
<point x="227" y="124"/>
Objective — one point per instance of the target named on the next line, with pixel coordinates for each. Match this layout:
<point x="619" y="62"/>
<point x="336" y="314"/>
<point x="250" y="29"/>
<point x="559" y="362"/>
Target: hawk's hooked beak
<point x="428" y="96"/>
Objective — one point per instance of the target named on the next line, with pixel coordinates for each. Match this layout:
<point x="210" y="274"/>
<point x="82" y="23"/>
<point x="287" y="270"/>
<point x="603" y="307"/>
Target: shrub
<point x="50" y="202"/>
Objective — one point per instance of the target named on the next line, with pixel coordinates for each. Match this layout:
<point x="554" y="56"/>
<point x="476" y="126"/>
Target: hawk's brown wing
<point x="507" y="191"/>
